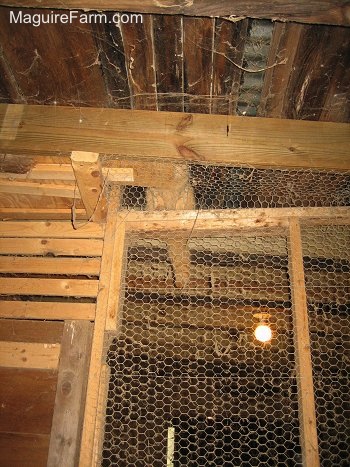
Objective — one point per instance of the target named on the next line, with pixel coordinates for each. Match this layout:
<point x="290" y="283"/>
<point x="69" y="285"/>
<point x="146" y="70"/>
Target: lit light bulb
<point x="263" y="333"/>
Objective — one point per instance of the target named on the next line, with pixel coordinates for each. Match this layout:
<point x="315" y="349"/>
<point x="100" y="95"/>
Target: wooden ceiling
<point x="185" y="63"/>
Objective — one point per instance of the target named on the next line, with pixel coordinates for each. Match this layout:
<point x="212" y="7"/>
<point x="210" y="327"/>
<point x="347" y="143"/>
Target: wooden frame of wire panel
<point x="285" y="221"/>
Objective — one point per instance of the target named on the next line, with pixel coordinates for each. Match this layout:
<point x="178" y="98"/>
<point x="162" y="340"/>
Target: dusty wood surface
<point x="321" y="11"/>
<point x="51" y="246"/>
<point x="70" y="394"/>
<point x="70" y="266"/>
<point x="30" y="331"/>
<point x="47" y="310"/>
<point x="307" y="412"/>
<point x="19" y="449"/>
<point x="213" y="138"/>
<point x="49" y="287"/>
<point x="29" y="355"/>
<point x="22" y="213"/>
<point x="50" y="229"/>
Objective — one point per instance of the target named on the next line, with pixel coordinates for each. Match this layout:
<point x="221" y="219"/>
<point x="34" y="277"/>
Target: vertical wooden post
<point x="307" y="415"/>
<point x="113" y="243"/>
<point x="88" y="173"/>
<point x="70" y="394"/>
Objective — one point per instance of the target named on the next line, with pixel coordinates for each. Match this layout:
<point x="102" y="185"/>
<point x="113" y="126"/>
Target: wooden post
<point x="307" y="415"/>
<point x="88" y="173"/>
<point x="112" y="245"/>
<point x="70" y="394"/>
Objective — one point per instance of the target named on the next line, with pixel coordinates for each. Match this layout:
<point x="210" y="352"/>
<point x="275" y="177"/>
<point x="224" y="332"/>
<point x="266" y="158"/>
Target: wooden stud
<point x="47" y="310"/>
<point x="70" y="394"/>
<point x="111" y="246"/>
<point x="101" y="414"/>
<point x="88" y="173"/>
<point x="246" y="141"/>
<point x="29" y="355"/>
<point x="303" y="363"/>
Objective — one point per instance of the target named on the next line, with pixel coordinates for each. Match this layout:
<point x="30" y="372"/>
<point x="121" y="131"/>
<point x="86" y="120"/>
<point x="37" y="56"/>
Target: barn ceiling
<point x="180" y="63"/>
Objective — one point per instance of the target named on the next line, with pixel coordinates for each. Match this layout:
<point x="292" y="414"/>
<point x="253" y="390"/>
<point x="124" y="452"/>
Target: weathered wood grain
<point x="49" y="287"/>
<point x="16" y="330"/>
<point x="47" y="310"/>
<point x="19" y="449"/>
<point x="234" y="140"/>
<point x="51" y="247"/>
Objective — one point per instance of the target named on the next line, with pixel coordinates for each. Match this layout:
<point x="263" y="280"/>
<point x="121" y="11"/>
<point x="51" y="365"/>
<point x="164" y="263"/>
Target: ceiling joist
<point x="246" y="141"/>
<point x="319" y="11"/>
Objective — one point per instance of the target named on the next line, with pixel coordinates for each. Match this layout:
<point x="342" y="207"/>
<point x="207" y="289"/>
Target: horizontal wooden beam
<point x="51" y="246"/>
<point x="50" y="230"/>
<point x="230" y="219"/>
<point x="47" y="310"/>
<point x="38" y="189"/>
<point x="319" y="11"/>
<point x="67" y="266"/>
<point x="41" y="214"/>
<point x="29" y="355"/>
<point x="49" y="287"/>
<point x="247" y="141"/>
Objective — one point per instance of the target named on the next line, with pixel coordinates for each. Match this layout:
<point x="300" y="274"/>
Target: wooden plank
<point x="65" y="172"/>
<point x="38" y="189"/>
<point x="70" y="394"/>
<point x="14" y="330"/>
<point x="140" y="65"/>
<point x="29" y="355"/>
<point x="111" y="246"/>
<point x="27" y="400"/>
<point x="88" y="173"/>
<point x="68" y="266"/>
<point x="230" y="219"/>
<point x="53" y="247"/>
<point x="50" y="229"/>
<point x="101" y="414"/>
<point x="19" y="449"/>
<point x="247" y="141"/>
<point x="41" y="214"/>
<point x="198" y="37"/>
<point x="320" y="11"/>
<point x="49" y="287"/>
<point x="169" y="62"/>
<point x="47" y="310"/>
<point x="302" y="346"/>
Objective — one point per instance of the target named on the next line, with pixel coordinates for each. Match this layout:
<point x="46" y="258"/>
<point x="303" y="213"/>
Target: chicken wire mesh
<point x="327" y="266"/>
<point x="174" y="185"/>
<point x="185" y="363"/>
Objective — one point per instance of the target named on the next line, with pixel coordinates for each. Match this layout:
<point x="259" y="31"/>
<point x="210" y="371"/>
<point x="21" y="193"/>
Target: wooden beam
<point x="68" y="266"/>
<point x="49" y="229"/>
<point x="238" y="219"/>
<point x="29" y="355"/>
<point x="302" y="346"/>
<point x="111" y="246"/>
<point x="49" y="287"/>
<point x="70" y="394"/>
<point x="320" y="11"/>
<point x="88" y="173"/>
<point x="247" y="141"/>
<point x="51" y="246"/>
<point x="41" y="214"/>
<point x="38" y="189"/>
<point x="47" y="310"/>
<point x="24" y="330"/>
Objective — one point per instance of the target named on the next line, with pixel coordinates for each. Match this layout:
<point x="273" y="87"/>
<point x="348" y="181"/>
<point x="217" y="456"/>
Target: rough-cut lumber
<point x="248" y="141"/>
<point x="92" y="397"/>
<point x="307" y="413"/>
<point x="50" y="229"/>
<point x="51" y="246"/>
<point x="68" y="266"/>
<point x="319" y="11"/>
<point x="47" y="310"/>
<point x="46" y="332"/>
<point x="101" y="411"/>
<point x="70" y="394"/>
<point x="41" y="214"/>
<point x="19" y="449"/>
<point x="38" y="189"/>
<point x="88" y="173"/>
<point x="230" y="219"/>
<point x="49" y="287"/>
<point x="27" y="400"/>
<point x="29" y="355"/>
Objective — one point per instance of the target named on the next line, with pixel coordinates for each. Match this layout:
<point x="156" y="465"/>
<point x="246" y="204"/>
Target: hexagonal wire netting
<point x="190" y="385"/>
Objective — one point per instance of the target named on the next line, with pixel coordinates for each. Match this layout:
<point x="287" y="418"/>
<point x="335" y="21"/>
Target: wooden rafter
<point x="246" y="141"/>
<point x="320" y="11"/>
